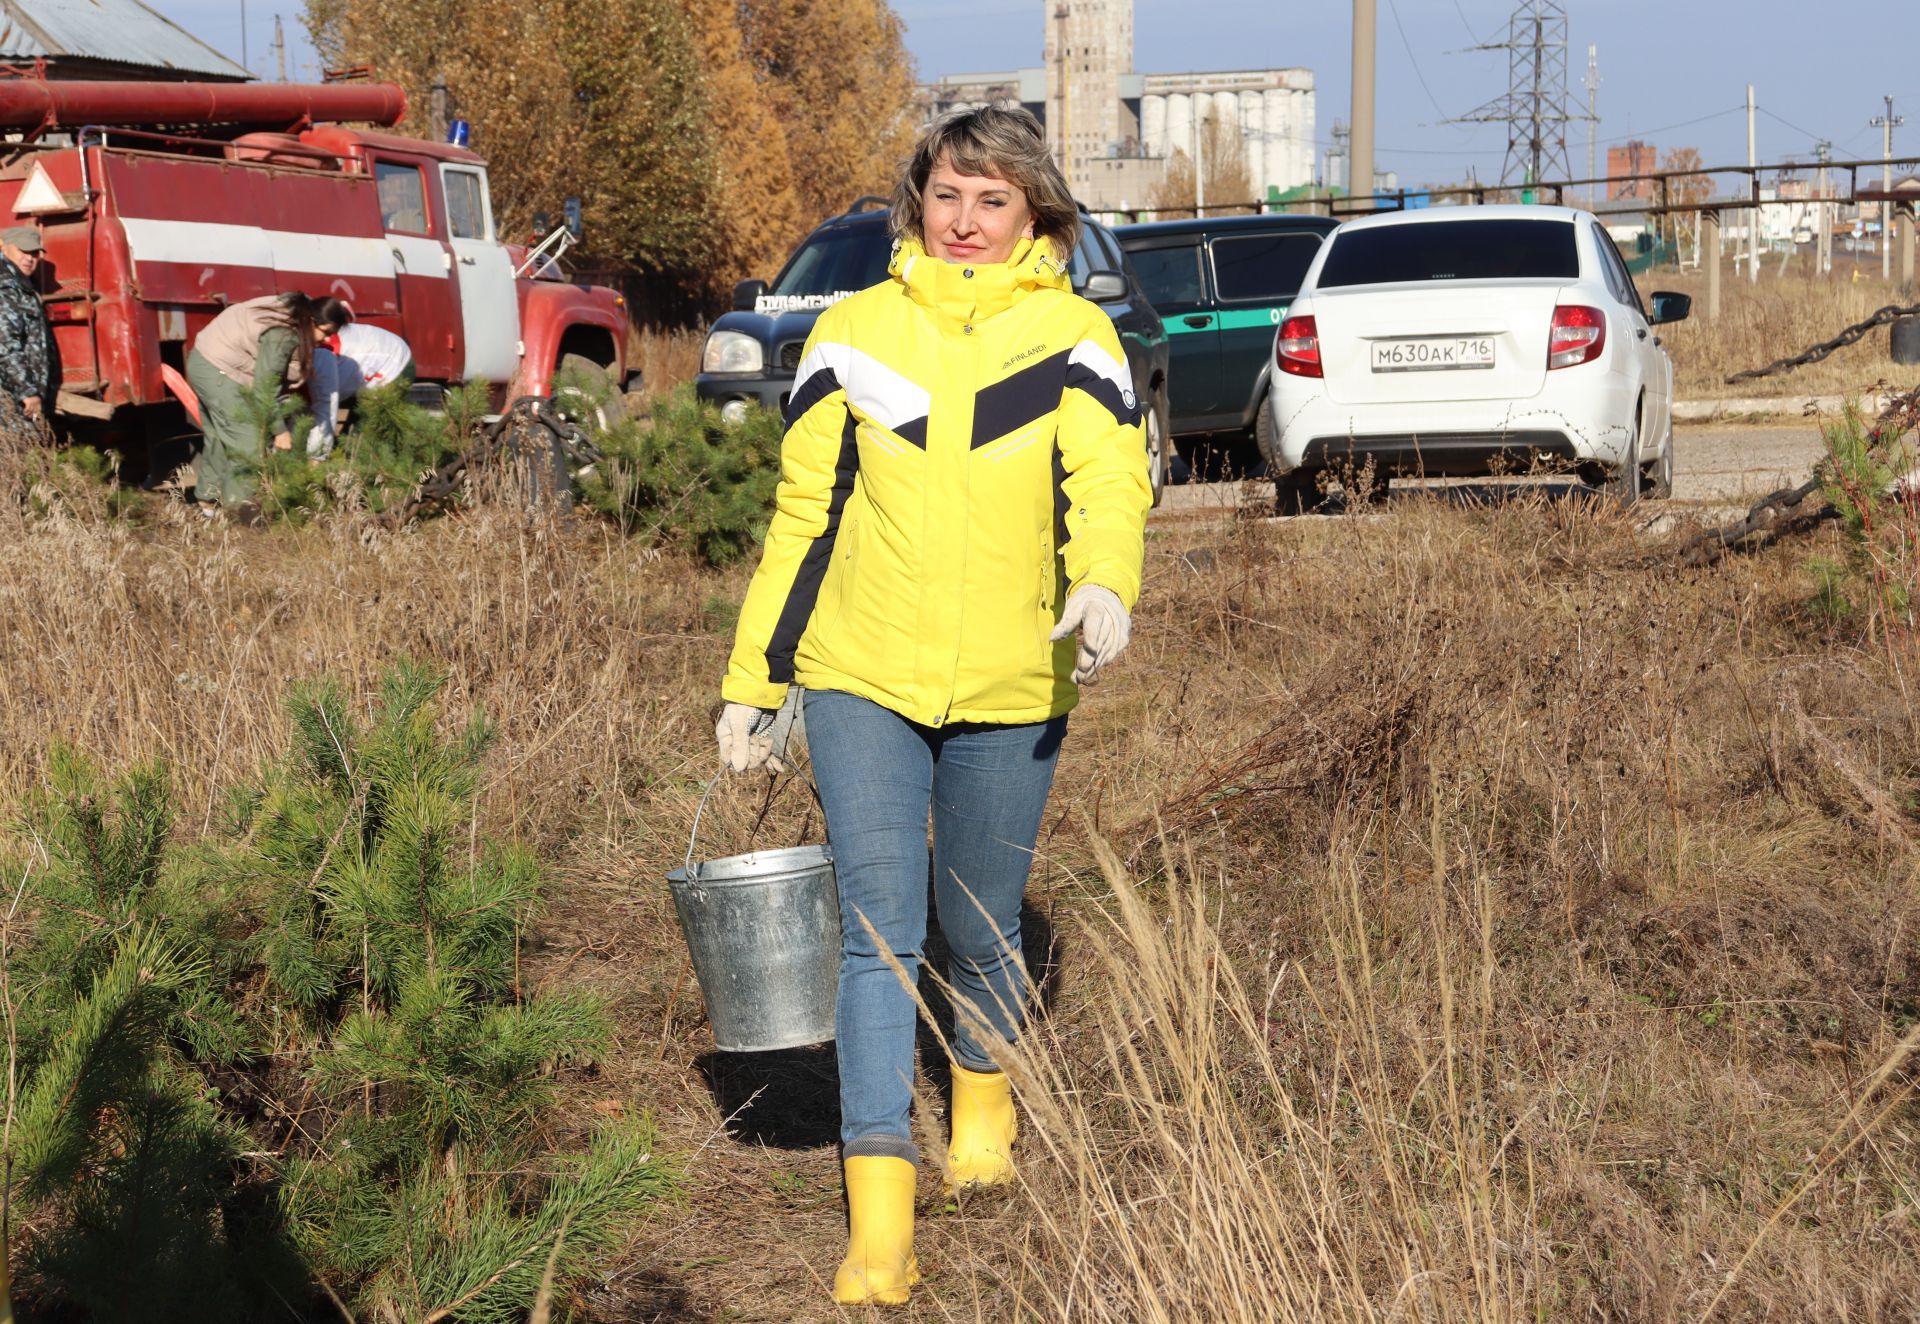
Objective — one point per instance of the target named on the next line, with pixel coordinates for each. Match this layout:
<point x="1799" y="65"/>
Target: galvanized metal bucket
<point x="764" y="932"/>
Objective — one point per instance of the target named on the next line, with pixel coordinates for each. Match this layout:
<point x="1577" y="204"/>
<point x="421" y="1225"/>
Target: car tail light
<point x="1577" y="336"/>
<point x="1297" y="350"/>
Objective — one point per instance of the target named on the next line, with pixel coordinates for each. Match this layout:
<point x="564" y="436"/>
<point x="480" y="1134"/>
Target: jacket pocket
<point x="837" y="591"/>
<point x="1044" y="613"/>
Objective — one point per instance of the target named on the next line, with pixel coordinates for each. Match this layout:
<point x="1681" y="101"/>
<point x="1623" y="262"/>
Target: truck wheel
<point x="600" y="404"/>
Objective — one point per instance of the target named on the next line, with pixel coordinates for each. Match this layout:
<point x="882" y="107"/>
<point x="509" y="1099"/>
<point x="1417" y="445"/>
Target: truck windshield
<point x="836" y="264"/>
<point x="1452" y="250"/>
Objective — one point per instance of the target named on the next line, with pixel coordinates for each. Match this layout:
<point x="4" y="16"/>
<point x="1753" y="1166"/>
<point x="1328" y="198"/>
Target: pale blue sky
<point x="1662" y="63"/>
<point x="1673" y="71"/>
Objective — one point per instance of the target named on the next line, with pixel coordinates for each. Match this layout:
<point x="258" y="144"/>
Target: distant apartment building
<point x="1113" y="129"/>
<point x="1634" y="158"/>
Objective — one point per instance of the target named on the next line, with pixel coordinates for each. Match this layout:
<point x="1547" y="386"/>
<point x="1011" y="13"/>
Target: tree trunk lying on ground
<point x="1792" y="510"/>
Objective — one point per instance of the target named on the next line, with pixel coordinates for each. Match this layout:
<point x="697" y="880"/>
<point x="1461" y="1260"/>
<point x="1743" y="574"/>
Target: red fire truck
<point x="161" y="203"/>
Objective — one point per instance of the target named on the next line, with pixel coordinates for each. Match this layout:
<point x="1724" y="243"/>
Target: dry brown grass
<point x="1531" y="948"/>
<point x="1526" y="935"/>
<point x="665" y="357"/>
<point x="1776" y="317"/>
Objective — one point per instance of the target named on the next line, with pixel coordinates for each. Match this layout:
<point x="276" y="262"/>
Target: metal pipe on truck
<point x="31" y="103"/>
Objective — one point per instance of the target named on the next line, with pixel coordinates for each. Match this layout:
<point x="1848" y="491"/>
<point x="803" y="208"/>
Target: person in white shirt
<point x="356" y="357"/>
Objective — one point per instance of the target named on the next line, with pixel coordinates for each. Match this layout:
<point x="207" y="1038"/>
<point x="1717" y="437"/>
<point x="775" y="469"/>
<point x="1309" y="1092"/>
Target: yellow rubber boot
<point x="981" y="1150"/>
<point x="879" y="1267"/>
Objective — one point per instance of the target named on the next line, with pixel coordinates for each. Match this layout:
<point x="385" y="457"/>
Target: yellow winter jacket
<point x="963" y="447"/>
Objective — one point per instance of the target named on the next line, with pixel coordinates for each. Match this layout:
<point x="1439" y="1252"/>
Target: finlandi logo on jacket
<point x="799" y="303"/>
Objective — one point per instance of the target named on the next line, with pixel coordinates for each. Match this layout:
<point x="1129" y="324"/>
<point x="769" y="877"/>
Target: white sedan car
<point x="1469" y="341"/>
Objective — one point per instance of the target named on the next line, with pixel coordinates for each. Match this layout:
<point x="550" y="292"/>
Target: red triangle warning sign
<point x="39" y="195"/>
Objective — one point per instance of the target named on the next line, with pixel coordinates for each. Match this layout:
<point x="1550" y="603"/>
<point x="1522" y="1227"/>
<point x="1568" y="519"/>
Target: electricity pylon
<point x="1534" y="108"/>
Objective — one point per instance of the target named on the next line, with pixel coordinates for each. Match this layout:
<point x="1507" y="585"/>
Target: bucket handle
<point x="693" y="837"/>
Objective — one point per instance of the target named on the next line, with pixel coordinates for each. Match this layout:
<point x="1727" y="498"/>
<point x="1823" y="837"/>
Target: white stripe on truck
<point x="215" y="244"/>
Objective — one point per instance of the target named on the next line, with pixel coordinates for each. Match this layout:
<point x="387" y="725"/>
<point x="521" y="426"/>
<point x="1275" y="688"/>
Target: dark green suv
<point x="1221" y="284"/>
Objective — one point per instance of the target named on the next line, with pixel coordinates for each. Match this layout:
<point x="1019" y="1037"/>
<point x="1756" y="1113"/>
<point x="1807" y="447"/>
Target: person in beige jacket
<point x="269" y="340"/>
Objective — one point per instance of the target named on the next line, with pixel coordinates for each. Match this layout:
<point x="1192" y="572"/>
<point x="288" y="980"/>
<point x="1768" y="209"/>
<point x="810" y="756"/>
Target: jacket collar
<point x="971" y="293"/>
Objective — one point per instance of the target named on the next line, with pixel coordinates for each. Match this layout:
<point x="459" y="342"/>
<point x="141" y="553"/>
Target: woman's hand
<point x="1103" y="625"/>
<point x="745" y="734"/>
<point x="283" y="441"/>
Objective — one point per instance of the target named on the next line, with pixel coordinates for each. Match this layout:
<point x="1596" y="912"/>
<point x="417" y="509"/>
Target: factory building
<point x="1113" y="128"/>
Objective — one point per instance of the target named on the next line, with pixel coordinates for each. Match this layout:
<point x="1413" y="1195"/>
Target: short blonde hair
<point x="1001" y="144"/>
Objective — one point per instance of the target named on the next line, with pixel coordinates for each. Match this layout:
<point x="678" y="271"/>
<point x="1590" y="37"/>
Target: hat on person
<point x="23" y="237"/>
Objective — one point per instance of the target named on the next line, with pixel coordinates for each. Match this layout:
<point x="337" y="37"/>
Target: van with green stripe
<point x="1221" y="285"/>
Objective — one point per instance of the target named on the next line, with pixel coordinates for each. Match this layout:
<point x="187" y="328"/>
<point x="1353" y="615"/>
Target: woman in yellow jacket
<point x="963" y="489"/>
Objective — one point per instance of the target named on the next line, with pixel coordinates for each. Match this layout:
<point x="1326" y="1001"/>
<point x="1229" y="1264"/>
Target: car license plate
<point x="1433" y="354"/>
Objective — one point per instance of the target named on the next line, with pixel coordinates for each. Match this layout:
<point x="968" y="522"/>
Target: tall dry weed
<point x="666" y="357"/>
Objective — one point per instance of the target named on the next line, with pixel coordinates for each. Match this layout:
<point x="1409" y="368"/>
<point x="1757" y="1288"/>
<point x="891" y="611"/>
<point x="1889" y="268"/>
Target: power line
<point x="1740" y="109"/>
<point x="1394" y="9"/>
<point x="1463" y="22"/>
<point x="1817" y="137"/>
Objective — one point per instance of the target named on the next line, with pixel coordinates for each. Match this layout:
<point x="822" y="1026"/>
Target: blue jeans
<point x="986" y="788"/>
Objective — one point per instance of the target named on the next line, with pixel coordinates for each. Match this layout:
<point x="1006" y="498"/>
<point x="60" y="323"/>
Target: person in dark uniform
<point x="25" y="363"/>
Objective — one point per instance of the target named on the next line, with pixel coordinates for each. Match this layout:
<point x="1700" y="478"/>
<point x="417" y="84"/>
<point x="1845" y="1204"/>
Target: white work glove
<point x="1103" y="625"/>
<point x="753" y="737"/>
<point x="743" y="733"/>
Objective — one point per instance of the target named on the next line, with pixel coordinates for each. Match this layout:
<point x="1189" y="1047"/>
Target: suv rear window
<point x="836" y="263"/>
<point x="1452" y="250"/>
<point x="1170" y="276"/>
<point x="1262" y="266"/>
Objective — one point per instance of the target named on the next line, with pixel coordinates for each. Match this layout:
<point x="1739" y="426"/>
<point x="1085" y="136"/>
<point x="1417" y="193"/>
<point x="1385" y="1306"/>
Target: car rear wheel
<point x="1656" y="476"/>
<point x="1622" y="484"/>
<point x="1263" y="434"/>
<point x="1160" y="454"/>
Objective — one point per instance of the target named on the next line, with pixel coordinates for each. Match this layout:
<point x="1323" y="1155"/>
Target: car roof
<point x="877" y="216"/>
<point x="1217" y="225"/>
<point x="854" y="220"/>
<point x="1492" y="212"/>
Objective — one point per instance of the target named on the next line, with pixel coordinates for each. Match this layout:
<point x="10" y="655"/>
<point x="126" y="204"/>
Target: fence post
<point x="1906" y="246"/>
<point x="1710" y="259"/>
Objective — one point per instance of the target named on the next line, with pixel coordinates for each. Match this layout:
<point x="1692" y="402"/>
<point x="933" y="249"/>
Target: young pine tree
<point x="688" y="480"/>
<point x="119" y="997"/>
<point x="429" y="1186"/>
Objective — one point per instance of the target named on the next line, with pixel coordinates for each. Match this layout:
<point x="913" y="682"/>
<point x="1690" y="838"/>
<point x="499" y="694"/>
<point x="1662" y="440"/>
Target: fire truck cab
<point x="161" y="204"/>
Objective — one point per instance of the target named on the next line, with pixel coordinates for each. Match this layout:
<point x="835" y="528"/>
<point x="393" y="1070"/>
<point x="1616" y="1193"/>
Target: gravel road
<point x="1715" y="465"/>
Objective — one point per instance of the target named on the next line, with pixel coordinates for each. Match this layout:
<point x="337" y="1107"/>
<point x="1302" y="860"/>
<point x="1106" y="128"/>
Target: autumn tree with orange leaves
<point x="704" y="137"/>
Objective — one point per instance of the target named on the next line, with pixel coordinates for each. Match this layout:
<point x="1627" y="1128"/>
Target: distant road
<point x="1714" y="465"/>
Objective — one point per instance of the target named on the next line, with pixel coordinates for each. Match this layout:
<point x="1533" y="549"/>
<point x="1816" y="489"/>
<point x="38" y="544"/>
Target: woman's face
<point x="972" y="218"/>
<point x="322" y="331"/>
